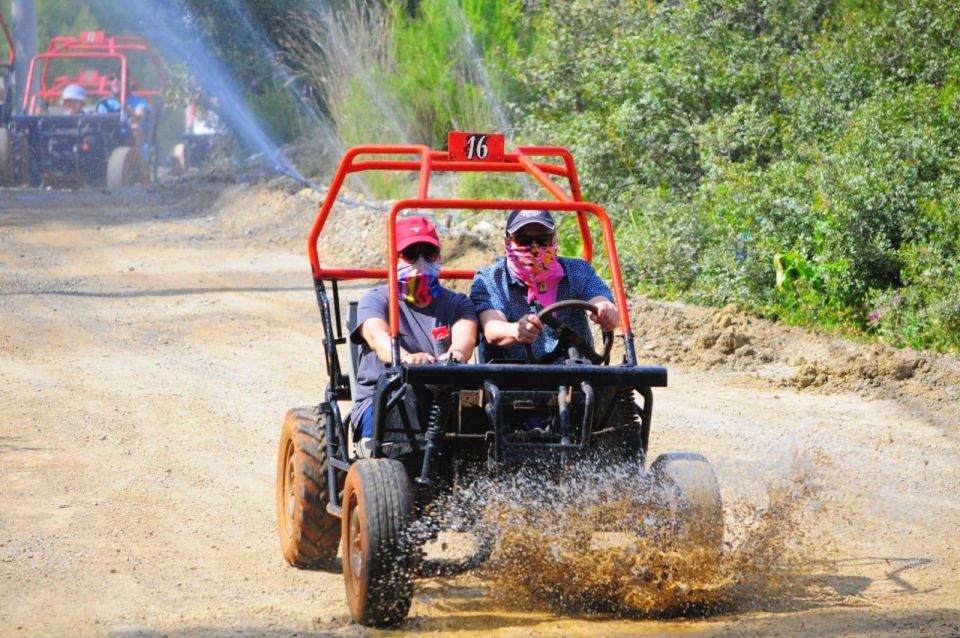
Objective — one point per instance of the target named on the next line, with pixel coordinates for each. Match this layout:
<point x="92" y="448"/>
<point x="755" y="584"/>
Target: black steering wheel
<point x="567" y="337"/>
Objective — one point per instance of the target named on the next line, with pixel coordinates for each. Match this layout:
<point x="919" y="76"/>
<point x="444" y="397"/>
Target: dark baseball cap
<point x="520" y="218"/>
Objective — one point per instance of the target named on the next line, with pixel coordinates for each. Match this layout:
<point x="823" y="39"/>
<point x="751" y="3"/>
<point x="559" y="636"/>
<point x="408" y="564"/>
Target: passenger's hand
<point x="528" y="328"/>
<point x="416" y="358"/>
<point x="606" y="315"/>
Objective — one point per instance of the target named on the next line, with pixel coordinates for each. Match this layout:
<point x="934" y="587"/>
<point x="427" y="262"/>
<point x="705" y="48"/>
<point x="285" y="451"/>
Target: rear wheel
<point x="6" y="158"/>
<point x="309" y="535"/>
<point x="377" y="552"/>
<point x="692" y="498"/>
<point x="123" y="168"/>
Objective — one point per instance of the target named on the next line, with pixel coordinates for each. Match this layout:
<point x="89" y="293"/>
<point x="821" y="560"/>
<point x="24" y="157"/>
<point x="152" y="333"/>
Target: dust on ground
<point x="152" y="339"/>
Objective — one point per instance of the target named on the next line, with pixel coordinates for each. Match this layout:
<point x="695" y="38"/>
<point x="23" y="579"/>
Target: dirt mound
<point x="280" y="212"/>
<point x="728" y="339"/>
<point x="740" y="343"/>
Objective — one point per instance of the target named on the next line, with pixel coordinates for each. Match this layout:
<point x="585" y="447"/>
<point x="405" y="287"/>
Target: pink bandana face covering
<point x="538" y="267"/>
<point x="419" y="282"/>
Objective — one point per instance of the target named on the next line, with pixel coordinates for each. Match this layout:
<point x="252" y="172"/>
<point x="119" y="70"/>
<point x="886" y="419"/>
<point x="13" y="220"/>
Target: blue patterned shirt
<point x="496" y="288"/>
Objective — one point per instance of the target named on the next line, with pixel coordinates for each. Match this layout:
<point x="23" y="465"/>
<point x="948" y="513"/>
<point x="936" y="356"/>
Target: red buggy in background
<point x="96" y="147"/>
<point x="8" y="94"/>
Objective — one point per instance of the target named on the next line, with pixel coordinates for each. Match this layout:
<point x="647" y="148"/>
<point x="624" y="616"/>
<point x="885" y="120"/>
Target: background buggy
<point x="8" y="94"/>
<point x="93" y="148"/>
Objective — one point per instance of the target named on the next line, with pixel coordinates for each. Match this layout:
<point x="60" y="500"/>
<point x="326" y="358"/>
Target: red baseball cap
<point x="413" y="230"/>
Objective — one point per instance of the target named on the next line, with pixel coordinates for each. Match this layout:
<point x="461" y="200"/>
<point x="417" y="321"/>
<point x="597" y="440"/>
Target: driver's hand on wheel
<point x="528" y="328"/>
<point x="606" y="315"/>
<point x="417" y="358"/>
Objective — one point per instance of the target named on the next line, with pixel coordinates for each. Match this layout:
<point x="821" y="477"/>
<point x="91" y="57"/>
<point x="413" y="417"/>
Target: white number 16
<point x="476" y="147"/>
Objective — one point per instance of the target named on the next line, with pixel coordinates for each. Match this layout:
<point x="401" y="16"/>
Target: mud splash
<point x="570" y="547"/>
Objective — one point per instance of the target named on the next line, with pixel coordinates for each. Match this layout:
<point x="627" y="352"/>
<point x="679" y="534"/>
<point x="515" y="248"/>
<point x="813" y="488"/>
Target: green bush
<point x="277" y="111"/>
<point x="449" y="62"/>
<point x="411" y="72"/>
<point x="795" y="157"/>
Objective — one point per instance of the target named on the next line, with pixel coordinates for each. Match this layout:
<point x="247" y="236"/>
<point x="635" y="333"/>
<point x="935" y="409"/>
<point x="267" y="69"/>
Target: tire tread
<point x="315" y="535"/>
<point x="385" y="493"/>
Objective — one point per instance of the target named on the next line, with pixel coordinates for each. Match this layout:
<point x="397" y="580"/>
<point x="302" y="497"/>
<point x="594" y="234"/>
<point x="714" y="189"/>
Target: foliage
<point x="407" y="73"/>
<point x="64" y="17"/>
<point x="276" y="112"/>
<point x="225" y="24"/>
<point x="797" y="157"/>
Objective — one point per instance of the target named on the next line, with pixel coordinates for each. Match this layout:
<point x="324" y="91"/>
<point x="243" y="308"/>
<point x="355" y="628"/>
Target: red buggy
<point x="7" y="96"/>
<point x="97" y="147"/>
<point x="435" y="424"/>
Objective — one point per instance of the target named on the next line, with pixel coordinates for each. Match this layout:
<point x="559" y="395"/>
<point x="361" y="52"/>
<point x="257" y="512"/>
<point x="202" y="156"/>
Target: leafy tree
<point x="795" y="156"/>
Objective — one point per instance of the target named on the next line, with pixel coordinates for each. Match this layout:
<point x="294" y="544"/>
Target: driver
<point x="509" y="293"/>
<point x="73" y="99"/>
<point x="435" y="323"/>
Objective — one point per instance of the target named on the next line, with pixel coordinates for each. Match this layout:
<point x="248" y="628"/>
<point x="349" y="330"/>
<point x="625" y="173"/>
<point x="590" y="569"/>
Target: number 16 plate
<point x="475" y="147"/>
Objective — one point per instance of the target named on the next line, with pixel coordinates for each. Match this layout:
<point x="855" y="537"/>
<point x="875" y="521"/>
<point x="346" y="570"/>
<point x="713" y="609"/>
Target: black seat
<point x="353" y="348"/>
<point x="487" y="353"/>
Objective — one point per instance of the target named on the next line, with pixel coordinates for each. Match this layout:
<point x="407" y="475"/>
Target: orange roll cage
<point x="12" y="54"/>
<point x="523" y="159"/>
<point x="91" y="45"/>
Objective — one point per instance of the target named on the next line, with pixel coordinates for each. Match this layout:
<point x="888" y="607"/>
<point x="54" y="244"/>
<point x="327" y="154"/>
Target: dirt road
<point x="150" y="345"/>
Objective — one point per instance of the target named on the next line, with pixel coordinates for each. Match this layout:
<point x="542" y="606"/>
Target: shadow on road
<point x="171" y="292"/>
<point x="475" y="622"/>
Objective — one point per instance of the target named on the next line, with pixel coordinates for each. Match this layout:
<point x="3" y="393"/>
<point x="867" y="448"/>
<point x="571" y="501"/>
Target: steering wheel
<point x="567" y="337"/>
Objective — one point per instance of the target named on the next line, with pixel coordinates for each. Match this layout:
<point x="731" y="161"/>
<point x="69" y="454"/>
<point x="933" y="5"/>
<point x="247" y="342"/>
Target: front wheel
<point x="6" y="158"/>
<point x="377" y="551"/>
<point x="691" y="494"/>
<point x="309" y="534"/>
<point x="124" y="168"/>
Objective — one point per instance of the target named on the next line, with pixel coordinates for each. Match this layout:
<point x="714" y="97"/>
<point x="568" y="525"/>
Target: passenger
<point x="74" y="99"/>
<point x="138" y="110"/>
<point x="111" y="103"/>
<point x="200" y="134"/>
<point x="435" y="323"/>
<point x="140" y="113"/>
<point x="509" y="293"/>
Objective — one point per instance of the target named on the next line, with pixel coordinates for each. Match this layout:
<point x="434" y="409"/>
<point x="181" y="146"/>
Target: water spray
<point x="289" y="79"/>
<point x="278" y="166"/>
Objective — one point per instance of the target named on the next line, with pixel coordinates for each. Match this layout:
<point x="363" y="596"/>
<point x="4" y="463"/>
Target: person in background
<point x="111" y="103"/>
<point x="73" y="99"/>
<point x="435" y="323"/>
<point x="141" y="119"/>
<point x="509" y="293"/>
<point x="202" y="127"/>
<point x="139" y="113"/>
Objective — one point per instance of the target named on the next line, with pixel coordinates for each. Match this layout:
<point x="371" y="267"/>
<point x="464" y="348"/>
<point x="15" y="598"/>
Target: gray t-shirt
<point x="416" y="334"/>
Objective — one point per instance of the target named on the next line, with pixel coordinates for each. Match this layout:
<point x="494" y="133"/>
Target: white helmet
<point x="74" y="92"/>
